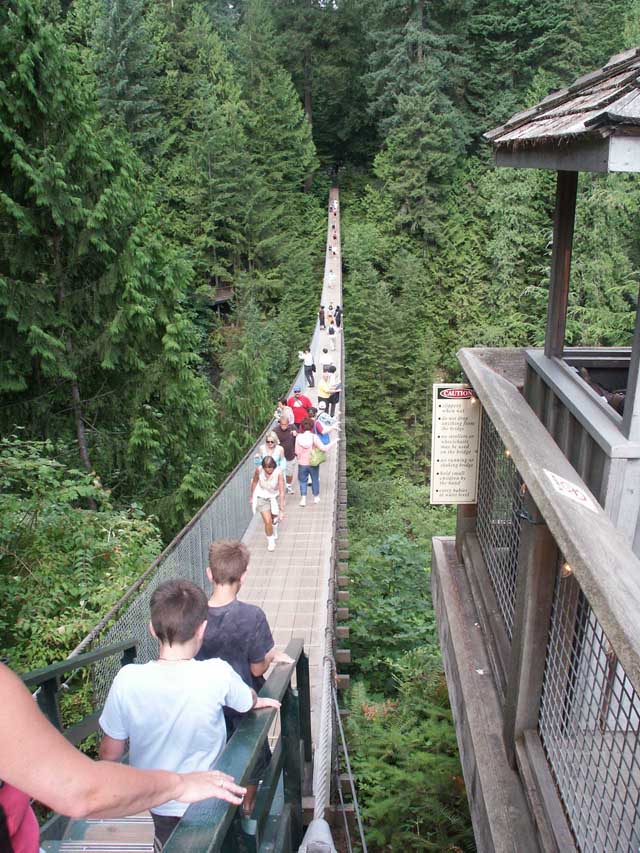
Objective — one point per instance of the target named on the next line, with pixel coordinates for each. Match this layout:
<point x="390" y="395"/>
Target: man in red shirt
<point x="299" y="404"/>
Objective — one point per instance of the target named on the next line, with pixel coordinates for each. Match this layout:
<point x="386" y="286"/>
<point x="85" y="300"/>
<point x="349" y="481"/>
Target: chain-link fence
<point x="498" y="518"/>
<point x="589" y="722"/>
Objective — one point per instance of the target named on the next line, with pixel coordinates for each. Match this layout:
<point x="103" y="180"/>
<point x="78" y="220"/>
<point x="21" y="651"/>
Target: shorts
<point x="265" y="504"/>
<point x="163" y="825"/>
<point x="290" y="467"/>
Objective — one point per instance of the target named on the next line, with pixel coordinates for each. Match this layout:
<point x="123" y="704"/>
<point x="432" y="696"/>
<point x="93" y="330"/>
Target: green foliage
<point x="401" y="737"/>
<point x="61" y="566"/>
<point x="405" y="759"/>
<point x="389" y="592"/>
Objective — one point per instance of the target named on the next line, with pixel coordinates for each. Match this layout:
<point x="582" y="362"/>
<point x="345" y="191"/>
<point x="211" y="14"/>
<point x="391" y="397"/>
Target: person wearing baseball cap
<point x="300" y="405"/>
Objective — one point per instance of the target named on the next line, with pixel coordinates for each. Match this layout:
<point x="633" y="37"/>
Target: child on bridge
<point x="239" y="634"/>
<point x="170" y="709"/>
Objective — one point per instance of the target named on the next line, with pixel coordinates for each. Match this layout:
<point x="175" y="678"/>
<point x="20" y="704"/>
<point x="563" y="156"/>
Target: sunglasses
<point x="271" y="442"/>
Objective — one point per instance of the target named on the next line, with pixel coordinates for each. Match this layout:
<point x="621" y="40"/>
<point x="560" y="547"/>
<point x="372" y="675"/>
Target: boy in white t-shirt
<point x="170" y="709"/>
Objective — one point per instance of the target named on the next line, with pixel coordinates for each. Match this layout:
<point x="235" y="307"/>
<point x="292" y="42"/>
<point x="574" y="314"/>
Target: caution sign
<point x="455" y="444"/>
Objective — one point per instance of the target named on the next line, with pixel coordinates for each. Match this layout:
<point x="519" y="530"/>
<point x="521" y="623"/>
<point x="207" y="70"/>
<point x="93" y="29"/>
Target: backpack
<point x="324" y="438"/>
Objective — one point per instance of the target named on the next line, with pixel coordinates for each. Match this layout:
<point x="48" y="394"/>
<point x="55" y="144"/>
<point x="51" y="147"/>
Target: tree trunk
<point x="308" y="103"/>
<point x="76" y="403"/>
<point x="420" y="53"/>
<point x="76" y="400"/>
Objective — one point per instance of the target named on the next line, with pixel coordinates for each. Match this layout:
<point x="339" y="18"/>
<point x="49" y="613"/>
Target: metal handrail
<point x="36" y="677"/>
<point x="47" y="680"/>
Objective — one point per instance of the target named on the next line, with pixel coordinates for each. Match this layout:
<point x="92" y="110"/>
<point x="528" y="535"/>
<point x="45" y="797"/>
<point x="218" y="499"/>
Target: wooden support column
<point x="631" y="417"/>
<point x="465" y="523"/>
<point x="537" y="567"/>
<point x="563" y="221"/>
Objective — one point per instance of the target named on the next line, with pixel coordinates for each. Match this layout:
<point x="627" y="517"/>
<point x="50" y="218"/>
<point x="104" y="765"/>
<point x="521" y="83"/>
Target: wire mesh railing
<point x="499" y="518"/>
<point x="589" y="722"/>
<point x="588" y="716"/>
<point x="226" y="514"/>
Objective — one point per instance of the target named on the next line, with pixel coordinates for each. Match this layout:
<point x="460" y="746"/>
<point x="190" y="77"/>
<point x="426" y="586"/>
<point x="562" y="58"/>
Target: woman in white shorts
<point x="267" y="497"/>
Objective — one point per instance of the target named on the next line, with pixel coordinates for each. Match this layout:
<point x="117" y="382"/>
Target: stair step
<point x="106" y="835"/>
<point x="95" y="847"/>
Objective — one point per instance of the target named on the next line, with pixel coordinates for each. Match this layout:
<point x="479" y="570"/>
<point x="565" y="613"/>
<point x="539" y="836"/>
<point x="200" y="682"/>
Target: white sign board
<point x="455" y="444"/>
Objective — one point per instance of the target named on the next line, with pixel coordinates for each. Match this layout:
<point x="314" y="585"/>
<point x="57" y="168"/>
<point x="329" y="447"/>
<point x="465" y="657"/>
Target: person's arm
<point x="254" y="483"/>
<point x="36" y="759"/>
<point x="281" y="493"/>
<point x="258" y="669"/>
<point x="243" y="698"/>
<point x="111" y="749"/>
<point x="331" y="444"/>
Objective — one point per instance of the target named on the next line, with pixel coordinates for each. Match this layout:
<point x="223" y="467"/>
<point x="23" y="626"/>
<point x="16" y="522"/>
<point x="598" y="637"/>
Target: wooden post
<point x="631" y="417"/>
<point x="563" y="221"/>
<point x="537" y="567"/>
<point x="292" y="767"/>
<point x="302" y="681"/>
<point x="465" y="523"/>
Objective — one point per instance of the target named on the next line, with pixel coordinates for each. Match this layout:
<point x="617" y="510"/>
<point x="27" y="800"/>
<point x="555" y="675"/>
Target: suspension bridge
<point x="299" y="587"/>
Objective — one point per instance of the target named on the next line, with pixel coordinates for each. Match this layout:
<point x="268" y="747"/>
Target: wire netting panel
<point x="588" y="723"/>
<point x="226" y="516"/>
<point x="498" y="518"/>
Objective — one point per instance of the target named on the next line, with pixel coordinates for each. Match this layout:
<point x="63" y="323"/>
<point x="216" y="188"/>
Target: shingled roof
<point x="596" y="106"/>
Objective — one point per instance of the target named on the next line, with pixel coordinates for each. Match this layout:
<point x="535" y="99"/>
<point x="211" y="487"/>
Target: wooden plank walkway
<point x="291" y="583"/>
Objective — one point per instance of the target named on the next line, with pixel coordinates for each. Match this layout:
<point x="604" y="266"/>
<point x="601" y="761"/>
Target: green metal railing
<point x="47" y="683"/>
<point x="276" y="821"/>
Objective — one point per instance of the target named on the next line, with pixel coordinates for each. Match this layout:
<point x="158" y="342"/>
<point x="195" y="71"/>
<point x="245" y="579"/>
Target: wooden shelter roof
<point x="596" y="106"/>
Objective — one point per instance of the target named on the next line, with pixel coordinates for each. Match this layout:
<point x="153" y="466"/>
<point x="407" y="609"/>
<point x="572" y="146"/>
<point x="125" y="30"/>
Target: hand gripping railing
<point x="206" y="826"/>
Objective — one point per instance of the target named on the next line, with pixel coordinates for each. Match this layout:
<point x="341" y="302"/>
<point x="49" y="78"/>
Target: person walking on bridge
<point x="287" y="438"/>
<point x="309" y="366"/>
<point x="300" y="405"/>
<point x="306" y="442"/>
<point x="267" y="497"/>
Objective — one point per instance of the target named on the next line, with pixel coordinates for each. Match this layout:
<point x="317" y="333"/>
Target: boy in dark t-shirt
<point x="238" y="633"/>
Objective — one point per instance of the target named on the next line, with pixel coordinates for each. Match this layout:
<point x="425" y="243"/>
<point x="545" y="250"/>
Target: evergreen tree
<point x="418" y="160"/>
<point x="90" y="297"/>
<point x="124" y="65"/>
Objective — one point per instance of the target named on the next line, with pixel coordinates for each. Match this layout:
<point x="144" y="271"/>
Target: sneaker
<point x="271" y="543"/>
<point x="316" y="500"/>
<point x="289" y="490"/>
<point x="303" y="501"/>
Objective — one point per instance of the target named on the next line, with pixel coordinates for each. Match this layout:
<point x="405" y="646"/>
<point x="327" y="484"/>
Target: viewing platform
<point x="537" y="596"/>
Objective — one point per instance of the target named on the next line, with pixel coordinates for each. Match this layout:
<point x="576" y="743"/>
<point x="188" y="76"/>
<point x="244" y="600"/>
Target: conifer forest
<point x="153" y="152"/>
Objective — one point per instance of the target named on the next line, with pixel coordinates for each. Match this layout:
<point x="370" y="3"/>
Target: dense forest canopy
<point x="154" y="152"/>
